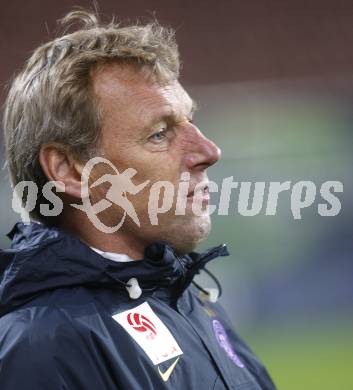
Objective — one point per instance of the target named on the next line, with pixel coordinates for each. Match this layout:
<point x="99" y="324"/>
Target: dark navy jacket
<point x="57" y="331"/>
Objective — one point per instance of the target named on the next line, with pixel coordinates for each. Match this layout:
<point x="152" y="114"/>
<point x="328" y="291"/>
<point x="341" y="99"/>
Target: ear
<point x="60" y="165"/>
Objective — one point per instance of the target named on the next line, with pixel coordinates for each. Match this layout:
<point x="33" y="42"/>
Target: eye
<point x="159" y="136"/>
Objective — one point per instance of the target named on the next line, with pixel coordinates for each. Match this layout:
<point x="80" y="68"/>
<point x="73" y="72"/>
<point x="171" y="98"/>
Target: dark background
<point x="274" y="82"/>
<point x="220" y="41"/>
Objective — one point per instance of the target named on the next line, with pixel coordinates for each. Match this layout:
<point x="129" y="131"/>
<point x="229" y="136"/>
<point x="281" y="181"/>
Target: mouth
<point x="201" y="190"/>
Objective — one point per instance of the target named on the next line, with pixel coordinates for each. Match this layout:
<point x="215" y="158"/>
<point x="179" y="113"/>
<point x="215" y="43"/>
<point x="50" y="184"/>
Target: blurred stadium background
<point x="274" y="82"/>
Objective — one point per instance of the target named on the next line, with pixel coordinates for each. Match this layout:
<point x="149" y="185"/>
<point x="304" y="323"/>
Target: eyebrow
<point x="171" y="114"/>
<point x="166" y="117"/>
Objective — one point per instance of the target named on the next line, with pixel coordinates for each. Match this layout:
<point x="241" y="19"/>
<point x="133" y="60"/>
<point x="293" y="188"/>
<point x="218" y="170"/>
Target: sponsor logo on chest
<point x="150" y="333"/>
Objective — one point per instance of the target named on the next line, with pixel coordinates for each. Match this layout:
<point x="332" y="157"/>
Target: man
<point x="83" y="308"/>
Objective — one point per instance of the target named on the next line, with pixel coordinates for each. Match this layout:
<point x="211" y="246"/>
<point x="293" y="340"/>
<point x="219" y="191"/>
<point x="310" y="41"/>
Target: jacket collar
<point x="43" y="258"/>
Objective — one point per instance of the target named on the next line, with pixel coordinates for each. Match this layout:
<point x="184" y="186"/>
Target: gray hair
<point x="52" y="100"/>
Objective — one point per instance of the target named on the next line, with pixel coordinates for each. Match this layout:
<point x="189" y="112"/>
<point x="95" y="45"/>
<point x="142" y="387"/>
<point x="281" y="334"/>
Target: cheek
<point x="156" y="168"/>
<point x="153" y="166"/>
<point x="154" y="171"/>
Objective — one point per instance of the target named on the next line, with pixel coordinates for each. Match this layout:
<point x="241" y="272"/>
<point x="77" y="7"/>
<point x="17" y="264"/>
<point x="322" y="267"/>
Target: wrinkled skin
<point x="147" y="125"/>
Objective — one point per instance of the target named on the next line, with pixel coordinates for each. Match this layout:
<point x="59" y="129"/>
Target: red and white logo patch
<point x="141" y="323"/>
<point x="149" y="332"/>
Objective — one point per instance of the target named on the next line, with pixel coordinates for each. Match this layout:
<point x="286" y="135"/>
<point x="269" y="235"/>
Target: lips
<point x="203" y="187"/>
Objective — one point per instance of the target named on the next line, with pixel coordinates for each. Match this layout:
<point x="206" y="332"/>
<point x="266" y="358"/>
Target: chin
<point x="187" y="236"/>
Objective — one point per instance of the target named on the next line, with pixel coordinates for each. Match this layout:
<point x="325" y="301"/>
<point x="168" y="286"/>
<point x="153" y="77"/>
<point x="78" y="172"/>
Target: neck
<point x="119" y="242"/>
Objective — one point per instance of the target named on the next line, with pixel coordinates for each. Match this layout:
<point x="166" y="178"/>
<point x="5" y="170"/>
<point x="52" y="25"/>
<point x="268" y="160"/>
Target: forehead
<point x="127" y="91"/>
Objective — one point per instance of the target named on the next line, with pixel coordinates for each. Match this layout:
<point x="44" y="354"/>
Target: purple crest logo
<point x="223" y="341"/>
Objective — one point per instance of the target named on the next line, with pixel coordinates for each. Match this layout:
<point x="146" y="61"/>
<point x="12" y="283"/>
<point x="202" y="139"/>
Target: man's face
<point x="148" y="126"/>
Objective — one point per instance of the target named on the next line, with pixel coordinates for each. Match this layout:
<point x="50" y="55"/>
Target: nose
<point x="201" y="151"/>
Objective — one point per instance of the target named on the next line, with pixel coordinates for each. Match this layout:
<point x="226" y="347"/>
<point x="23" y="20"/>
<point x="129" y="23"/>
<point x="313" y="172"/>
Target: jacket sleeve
<point x="48" y="354"/>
